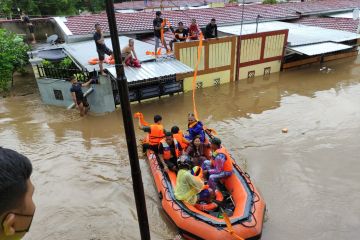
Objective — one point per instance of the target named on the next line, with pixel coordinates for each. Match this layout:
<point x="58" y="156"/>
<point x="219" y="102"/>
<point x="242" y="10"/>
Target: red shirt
<point x="194" y="32"/>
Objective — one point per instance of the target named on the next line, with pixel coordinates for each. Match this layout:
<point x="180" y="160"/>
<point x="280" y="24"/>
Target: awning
<point x="319" y="48"/>
<point x="151" y="70"/>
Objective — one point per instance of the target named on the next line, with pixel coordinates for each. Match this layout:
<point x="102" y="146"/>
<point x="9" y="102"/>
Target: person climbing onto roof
<point x="158" y="24"/>
<point x="78" y="97"/>
<point x="189" y="188"/>
<point x="181" y="34"/>
<point x="220" y="166"/>
<point x="211" y="29"/>
<point x="156" y="134"/>
<point x="101" y="48"/>
<point x="198" y="151"/>
<point x="25" y="18"/>
<point x="169" y="151"/>
<point x="194" y="30"/>
<point x="179" y="136"/>
<point x="129" y="53"/>
<point x="195" y="128"/>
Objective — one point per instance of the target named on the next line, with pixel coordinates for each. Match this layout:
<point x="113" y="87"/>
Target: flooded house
<point x="265" y="39"/>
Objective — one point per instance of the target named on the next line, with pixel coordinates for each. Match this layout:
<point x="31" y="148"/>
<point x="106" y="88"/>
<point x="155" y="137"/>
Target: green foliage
<point x="66" y="63"/>
<point x="233" y="1"/>
<point x="47" y="63"/>
<point x="8" y="8"/>
<point x="269" y="1"/>
<point x="81" y="77"/>
<point x="13" y="56"/>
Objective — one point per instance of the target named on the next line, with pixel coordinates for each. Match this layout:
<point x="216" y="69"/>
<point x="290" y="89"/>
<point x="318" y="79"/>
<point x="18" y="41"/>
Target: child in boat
<point x="189" y="188"/>
<point x="195" y="128"/>
<point x="78" y="96"/>
<point x="198" y="151"/>
<point x="156" y="134"/>
<point x="169" y="151"/>
<point x="220" y="166"/>
<point x="179" y="136"/>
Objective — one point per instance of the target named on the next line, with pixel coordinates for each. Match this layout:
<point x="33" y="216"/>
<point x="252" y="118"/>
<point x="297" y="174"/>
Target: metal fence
<point x="61" y="73"/>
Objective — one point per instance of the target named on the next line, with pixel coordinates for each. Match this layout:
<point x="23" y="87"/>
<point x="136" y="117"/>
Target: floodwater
<point x="309" y="177"/>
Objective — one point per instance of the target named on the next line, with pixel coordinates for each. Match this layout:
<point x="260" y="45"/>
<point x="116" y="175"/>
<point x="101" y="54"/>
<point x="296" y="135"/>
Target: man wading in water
<point x="78" y="95"/>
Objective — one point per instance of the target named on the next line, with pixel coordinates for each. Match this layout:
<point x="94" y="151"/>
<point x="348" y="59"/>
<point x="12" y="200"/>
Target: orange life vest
<point x="180" y="138"/>
<point x="228" y="162"/>
<point x="156" y="134"/>
<point x="167" y="152"/>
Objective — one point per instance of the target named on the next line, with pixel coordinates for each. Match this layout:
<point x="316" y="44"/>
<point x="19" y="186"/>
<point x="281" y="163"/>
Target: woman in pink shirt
<point x="194" y="30"/>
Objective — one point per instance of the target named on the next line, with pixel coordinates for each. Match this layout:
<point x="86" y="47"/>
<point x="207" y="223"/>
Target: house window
<point x="251" y="74"/>
<point x="199" y="85"/>
<point x="267" y="71"/>
<point x="217" y="81"/>
<point x="58" y="95"/>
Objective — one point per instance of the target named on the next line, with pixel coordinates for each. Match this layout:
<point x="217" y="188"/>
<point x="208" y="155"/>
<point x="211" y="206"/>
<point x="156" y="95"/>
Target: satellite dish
<point x="52" y="39"/>
<point x="356" y="14"/>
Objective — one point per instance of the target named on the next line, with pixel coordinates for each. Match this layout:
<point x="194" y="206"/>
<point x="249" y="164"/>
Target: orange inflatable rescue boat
<point x="240" y="216"/>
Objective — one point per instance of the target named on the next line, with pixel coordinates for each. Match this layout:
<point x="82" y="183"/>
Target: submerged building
<point x="254" y="40"/>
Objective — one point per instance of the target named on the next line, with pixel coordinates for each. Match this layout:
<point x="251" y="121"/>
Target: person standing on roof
<point x="130" y="55"/>
<point x="220" y="166"/>
<point x="195" y="128"/>
<point x="189" y="188"/>
<point x="156" y="134"/>
<point x="194" y="31"/>
<point x="159" y="26"/>
<point x="211" y="29"/>
<point x="101" y="48"/>
<point x="181" y="34"/>
<point x="169" y="152"/>
<point x="25" y="18"/>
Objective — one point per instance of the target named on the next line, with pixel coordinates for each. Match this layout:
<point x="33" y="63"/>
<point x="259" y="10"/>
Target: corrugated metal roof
<point x="342" y="15"/>
<point x="298" y="34"/>
<point x="320" y="48"/>
<point x="82" y="52"/>
<point x="150" y="70"/>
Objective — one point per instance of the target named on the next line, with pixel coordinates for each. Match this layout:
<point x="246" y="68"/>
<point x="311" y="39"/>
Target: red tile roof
<point x="155" y="4"/>
<point x="344" y="24"/>
<point x="142" y="21"/>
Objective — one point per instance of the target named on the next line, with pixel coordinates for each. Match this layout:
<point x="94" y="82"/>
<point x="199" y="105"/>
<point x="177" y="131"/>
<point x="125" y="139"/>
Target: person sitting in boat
<point x="179" y="136"/>
<point x="198" y="151"/>
<point x="220" y="166"/>
<point x="156" y="133"/>
<point x="169" y="151"/>
<point x="129" y="54"/>
<point x="77" y="95"/>
<point x="195" y="128"/>
<point x="189" y="188"/>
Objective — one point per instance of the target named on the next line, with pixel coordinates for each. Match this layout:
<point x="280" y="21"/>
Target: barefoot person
<point x="25" y="18"/>
<point x="129" y="53"/>
<point x="16" y="192"/>
<point x="101" y="48"/>
<point x="78" y="96"/>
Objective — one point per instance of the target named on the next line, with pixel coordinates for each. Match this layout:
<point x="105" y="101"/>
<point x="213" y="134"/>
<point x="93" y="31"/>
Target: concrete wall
<point x="42" y="27"/>
<point x="259" y="69"/>
<point x="207" y="80"/>
<point x="101" y="100"/>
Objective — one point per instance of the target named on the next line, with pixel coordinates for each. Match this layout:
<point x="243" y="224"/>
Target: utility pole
<point x="128" y="125"/>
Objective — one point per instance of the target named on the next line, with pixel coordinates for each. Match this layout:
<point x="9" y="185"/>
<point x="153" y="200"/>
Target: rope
<point x="195" y="75"/>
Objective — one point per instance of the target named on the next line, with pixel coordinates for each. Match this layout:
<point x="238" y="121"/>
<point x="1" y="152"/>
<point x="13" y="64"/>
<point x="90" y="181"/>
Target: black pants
<point x="154" y="148"/>
<point x="172" y="164"/>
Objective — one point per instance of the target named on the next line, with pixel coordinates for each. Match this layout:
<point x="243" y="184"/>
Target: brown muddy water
<point x="309" y="177"/>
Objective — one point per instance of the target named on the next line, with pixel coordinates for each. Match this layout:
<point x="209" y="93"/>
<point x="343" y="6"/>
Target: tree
<point x="13" y="57"/>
